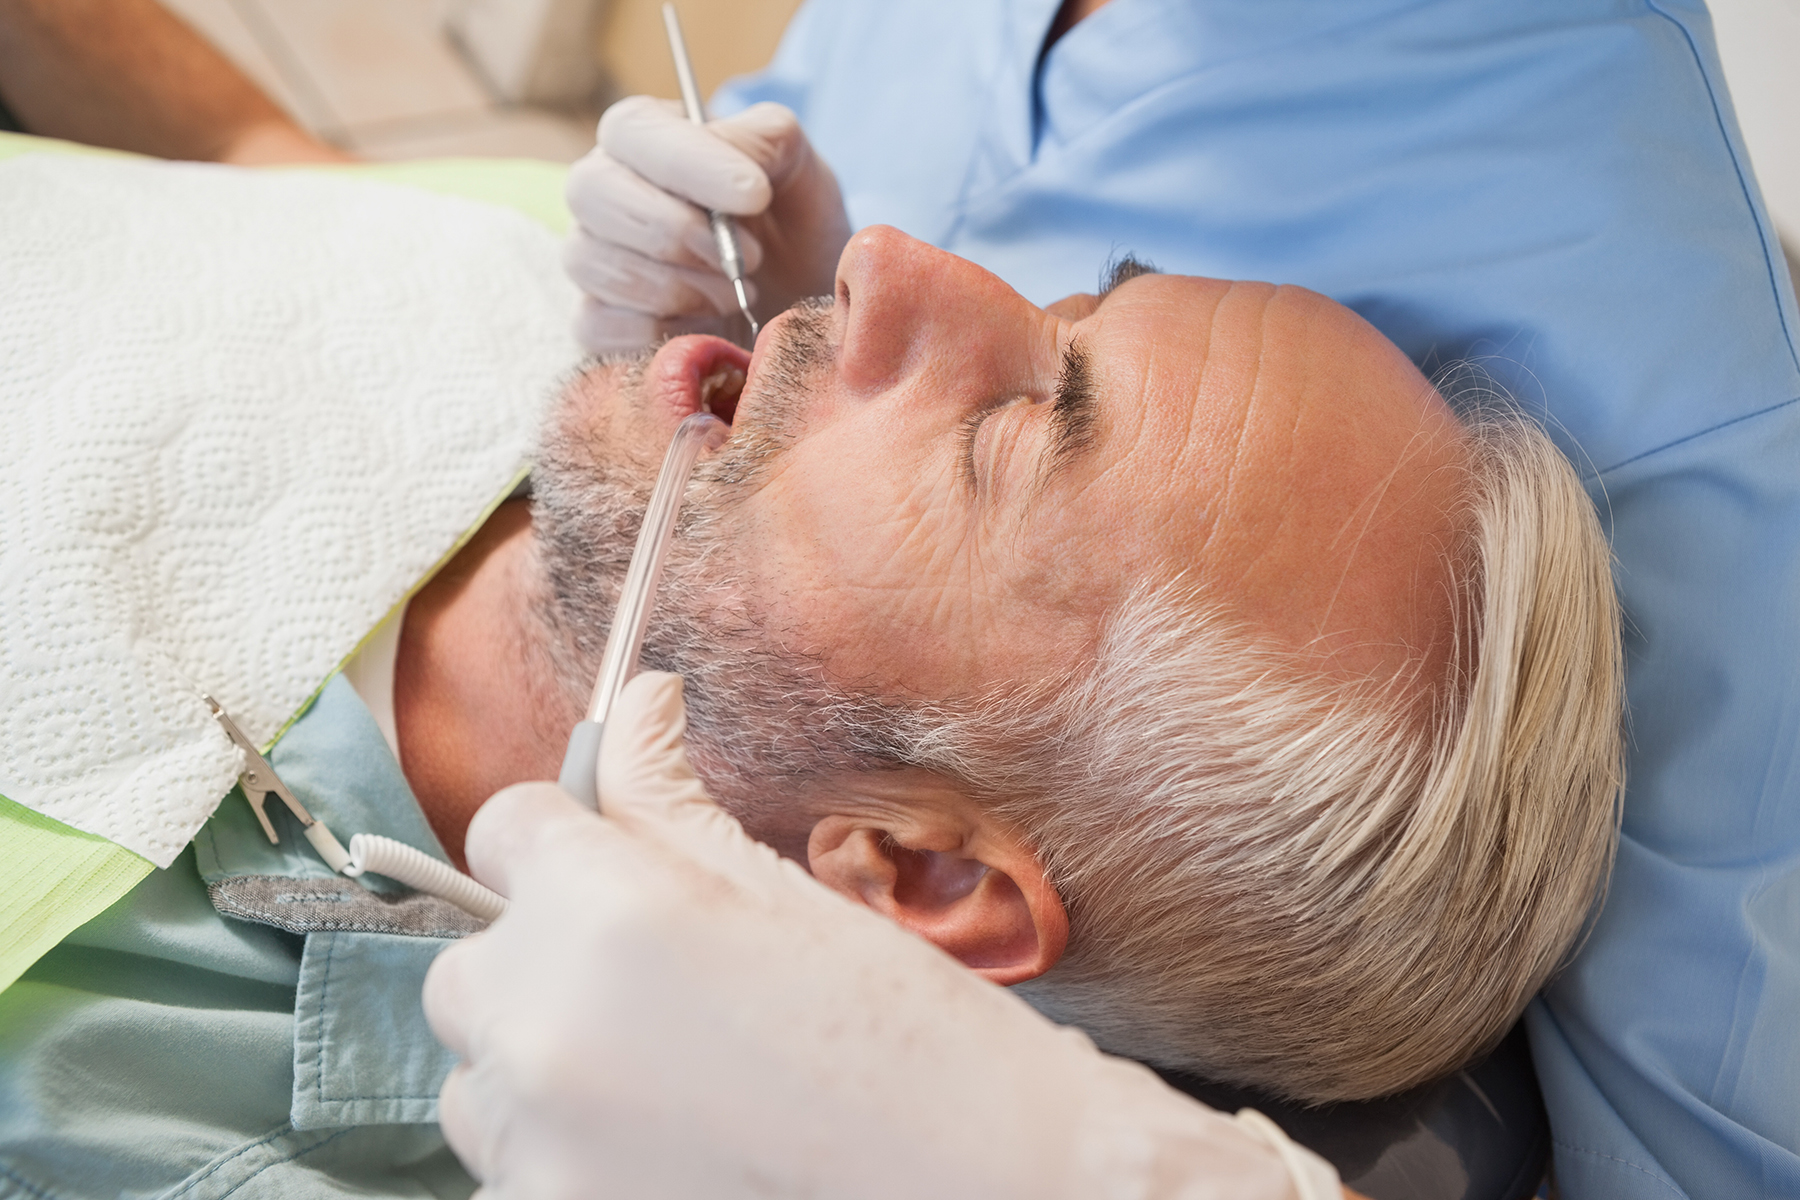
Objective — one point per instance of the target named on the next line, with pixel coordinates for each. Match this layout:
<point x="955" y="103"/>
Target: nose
<point x="905" y="305"/>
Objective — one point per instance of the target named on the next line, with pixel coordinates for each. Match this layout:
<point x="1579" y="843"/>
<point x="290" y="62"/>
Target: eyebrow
<point x="1123" y="269"/>
<point x="1075" y="415"/>
<point x="1075" y="412"/>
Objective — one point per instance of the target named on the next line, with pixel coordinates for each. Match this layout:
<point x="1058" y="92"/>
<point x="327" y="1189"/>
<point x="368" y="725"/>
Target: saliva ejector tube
<point x="625" y="642"/>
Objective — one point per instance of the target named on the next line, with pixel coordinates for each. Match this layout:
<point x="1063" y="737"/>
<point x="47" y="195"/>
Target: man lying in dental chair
<point x="1173" y="653"/>
<point x="1558" y="258"/>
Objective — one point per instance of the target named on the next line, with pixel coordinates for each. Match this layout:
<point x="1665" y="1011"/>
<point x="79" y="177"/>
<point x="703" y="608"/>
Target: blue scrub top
<point x="1556" y="191"/>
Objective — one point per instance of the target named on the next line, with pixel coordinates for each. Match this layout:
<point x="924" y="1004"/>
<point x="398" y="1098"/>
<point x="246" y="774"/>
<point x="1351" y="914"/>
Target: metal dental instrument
<point x="702" y="431"/>
<point x="724" y="230"/>
<point x="259" y="779"/>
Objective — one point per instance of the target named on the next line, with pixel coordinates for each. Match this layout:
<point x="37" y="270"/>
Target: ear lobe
<point x="988" y="905"/>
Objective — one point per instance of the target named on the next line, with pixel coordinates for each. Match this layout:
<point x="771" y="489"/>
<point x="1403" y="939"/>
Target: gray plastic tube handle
<point x="581" y="763"/>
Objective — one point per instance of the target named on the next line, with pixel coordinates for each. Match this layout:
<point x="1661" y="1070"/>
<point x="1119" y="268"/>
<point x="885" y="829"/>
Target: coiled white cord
<point x="416" y="869"/>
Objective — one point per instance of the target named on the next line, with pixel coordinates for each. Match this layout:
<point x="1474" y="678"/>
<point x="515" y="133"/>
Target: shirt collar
<point x="337" y="763"/>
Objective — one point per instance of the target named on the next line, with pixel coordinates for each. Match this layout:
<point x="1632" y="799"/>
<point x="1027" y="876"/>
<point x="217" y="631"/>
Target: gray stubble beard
<point x="765" y="726"/>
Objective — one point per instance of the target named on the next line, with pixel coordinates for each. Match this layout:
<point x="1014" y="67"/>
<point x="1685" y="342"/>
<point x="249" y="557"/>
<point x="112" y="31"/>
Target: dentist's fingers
<point x="520" y="825"/>
<point x="616" y="206"/>
<point x="623" y="278"/>
<point x="510" y="839"/>
<point x="449" y="993"/>
<point x="642" y="251"/>
<point x="463" y="1122"/>
<point x="495" y="1122"/>
<point x="769" y="134"/>
<point x="644" y="777"/>
<point x="604" y="329"/>
<point x="654" y="138"/>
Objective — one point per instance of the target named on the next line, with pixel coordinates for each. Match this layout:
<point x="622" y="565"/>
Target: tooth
<point x="724" y="380"/>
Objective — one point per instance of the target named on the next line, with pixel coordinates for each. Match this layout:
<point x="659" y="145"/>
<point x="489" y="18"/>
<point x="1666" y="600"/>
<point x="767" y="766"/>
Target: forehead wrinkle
<point x="1371" y="504"/>
<point x="1140" y="431"/>
<point x="1356" y="520"/>
<point x="1251" y="396"/>
<point x="1367" y="508"/>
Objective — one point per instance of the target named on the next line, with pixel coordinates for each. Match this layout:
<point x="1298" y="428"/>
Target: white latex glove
<point x="669" y="1009"/>
<point x="642" y="251"/>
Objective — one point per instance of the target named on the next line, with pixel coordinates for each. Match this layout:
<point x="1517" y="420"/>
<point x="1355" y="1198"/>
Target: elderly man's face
<point x="968" y="482"/>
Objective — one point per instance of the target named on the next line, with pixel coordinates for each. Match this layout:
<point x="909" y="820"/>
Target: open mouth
<point x="697" y="373"/>
<point x="720" y="390"/>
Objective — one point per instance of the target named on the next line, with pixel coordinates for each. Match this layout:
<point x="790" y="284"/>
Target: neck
<point x="476" y="704"/>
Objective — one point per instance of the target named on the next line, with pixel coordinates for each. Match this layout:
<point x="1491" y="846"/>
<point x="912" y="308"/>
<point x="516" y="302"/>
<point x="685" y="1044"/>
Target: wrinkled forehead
<point x="1161" y="367"/>
<point x="1197" y="365"/>
<point x="1176" y="361"/>
<point x="1265" y="442"/>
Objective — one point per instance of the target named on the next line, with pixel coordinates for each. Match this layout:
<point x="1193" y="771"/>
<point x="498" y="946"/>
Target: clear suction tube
<point x="625" y="642"/>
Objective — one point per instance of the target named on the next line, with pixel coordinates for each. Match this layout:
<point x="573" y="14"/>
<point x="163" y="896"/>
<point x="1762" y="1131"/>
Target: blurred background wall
<point x="1759" y="41"/>
<point x="414" y="78"/>
<point x="725" y="37"/>
<point x="399" y="78"/>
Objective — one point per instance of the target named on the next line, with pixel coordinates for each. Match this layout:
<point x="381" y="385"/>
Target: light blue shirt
<point x="1557" y="191"/>
<point x="166" y="1049"/>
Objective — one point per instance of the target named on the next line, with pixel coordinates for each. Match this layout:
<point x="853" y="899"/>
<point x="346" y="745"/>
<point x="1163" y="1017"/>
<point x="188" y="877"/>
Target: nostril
<point x="843" y="293"/>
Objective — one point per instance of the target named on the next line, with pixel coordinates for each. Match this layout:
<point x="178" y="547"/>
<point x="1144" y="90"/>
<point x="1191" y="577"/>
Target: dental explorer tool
<point x="701" y="431"/>
<point x="724" y="230"/>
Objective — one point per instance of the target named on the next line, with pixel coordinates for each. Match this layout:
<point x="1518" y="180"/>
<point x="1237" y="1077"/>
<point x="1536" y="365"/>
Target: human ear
<point x="979" y="894"/>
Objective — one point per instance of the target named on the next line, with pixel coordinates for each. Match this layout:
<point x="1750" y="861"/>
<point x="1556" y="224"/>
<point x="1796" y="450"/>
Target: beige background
<point x="725" y="38"/>
<point x="381" y="79"/>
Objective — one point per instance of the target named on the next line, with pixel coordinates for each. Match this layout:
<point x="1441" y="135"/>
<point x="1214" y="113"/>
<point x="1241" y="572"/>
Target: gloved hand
<point x="642" y="250"/>
<point x="669" y="1009"/>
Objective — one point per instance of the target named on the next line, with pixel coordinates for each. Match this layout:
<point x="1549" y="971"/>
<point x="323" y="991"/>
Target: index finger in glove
<point x="771" y="136"/>
<point x="604" y="329"/>
<point x="549" y="854"/>
<point x="621" y="278"/>
<point x="654" y="139"/>
<point x="506" y="840"/>
<point x="613" y="203"/>
<point x="459" y="1120"/>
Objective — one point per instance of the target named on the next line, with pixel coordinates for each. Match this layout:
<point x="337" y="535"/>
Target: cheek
<point x="869" y="566"/>
<point x="608" y="405"/>
<point x="880" y="575"/>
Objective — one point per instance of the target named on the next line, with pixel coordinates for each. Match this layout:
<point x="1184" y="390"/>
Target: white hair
<point x="1278" y="880"/>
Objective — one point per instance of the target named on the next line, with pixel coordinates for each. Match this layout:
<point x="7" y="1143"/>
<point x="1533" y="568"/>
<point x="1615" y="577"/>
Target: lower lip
<point x="681" y="368"/>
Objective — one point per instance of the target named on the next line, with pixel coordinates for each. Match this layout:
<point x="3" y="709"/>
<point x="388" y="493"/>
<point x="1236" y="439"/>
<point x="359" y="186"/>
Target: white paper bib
<point x="242" y="414"/>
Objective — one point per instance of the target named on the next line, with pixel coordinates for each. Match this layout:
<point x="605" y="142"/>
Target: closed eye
<point x="970" y="428"/>
<point x="1074" y="412"/>
<point x="965" y="444"/>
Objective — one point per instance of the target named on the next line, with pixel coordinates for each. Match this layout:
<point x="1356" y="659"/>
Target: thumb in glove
<point x="647" y="787"/>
